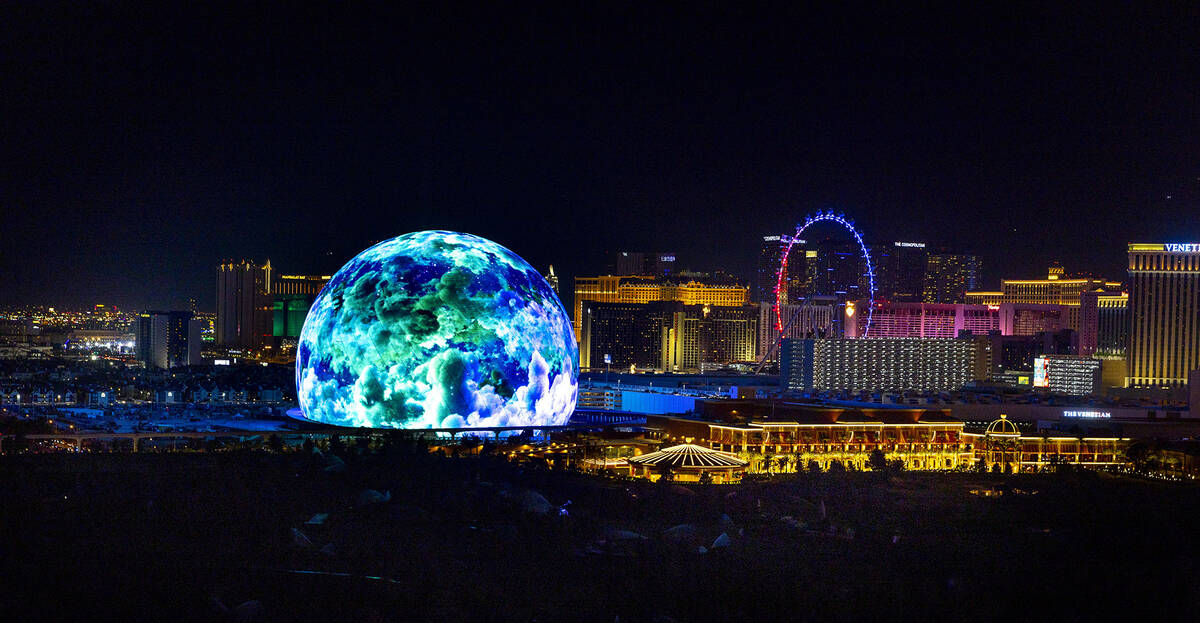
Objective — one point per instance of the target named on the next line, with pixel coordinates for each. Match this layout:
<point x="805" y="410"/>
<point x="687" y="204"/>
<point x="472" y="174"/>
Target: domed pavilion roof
<point x="1002" y="427"/>
<point x="688" y="456"/>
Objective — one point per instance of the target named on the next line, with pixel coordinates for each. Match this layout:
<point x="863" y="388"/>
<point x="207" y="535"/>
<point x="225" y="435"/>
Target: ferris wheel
<point x="781" y="276"/>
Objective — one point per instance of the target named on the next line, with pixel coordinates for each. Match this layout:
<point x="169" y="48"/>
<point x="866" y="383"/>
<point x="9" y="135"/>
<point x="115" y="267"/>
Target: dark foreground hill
<point x="227" y="536"/>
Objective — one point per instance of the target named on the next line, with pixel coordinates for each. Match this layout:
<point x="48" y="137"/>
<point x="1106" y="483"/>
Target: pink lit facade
<point x="923" y="320"/>
<point x="947" y="320"/>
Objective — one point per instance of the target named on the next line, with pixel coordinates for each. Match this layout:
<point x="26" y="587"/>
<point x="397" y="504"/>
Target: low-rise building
<point x="1003" y="447"/>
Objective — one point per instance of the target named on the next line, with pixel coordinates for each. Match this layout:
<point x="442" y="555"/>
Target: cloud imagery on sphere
<point x="437" y="329"/>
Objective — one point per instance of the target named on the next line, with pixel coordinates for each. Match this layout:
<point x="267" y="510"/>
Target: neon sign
<point x="916" y="245"/>
<point x="1088" y="414"/>
<point x="1182" y="248"/>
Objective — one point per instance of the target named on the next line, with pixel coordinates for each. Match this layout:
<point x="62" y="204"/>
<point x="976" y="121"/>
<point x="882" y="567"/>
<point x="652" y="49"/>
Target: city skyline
<point x="205" y="300"/>
<point x="598" y="312"/>
<point x="143" y="148"/>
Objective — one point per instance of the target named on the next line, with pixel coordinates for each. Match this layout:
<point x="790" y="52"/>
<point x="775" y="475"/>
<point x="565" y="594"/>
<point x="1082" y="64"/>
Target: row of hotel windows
<point x="1163" y="261"/>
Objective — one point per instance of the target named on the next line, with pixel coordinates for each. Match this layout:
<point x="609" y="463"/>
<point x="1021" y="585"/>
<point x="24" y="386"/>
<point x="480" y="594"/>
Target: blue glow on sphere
<point x="437" y="329"/>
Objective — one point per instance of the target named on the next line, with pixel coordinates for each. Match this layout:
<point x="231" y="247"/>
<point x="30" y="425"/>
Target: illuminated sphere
<point x="437" y="329"/>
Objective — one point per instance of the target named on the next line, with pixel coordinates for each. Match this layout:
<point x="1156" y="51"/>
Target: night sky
<point x="142" y="146"/>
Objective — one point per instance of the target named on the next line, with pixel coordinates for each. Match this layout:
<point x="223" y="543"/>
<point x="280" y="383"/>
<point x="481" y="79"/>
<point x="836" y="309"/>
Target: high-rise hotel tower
<point x="243" y="304"/>
<point x="1164" y="314"/>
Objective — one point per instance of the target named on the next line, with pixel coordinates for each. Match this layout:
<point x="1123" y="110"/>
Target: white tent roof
<point x="688" y="455"/>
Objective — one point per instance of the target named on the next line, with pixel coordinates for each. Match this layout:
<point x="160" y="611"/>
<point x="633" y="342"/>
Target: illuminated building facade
<point x="949" y="276"/>
<point x="1033" y="318"/>
<point x="299" y="284"/>
<point x="1089" y="323"/>
<point x="723" y="335"/>
<point x="606" y="398"/>
<point x="640" y="289"/>
<point x="1065" y="374"/>
<point x="1002" y="447"/>
<point x="621" y="335"/>
<point x="1055" y="289"/>
<point x="291" y="298"/>
<point x="1016" y="353"/>
<point x="288" y="312"/>
<point x="244" y="304"/>
<point x="921" y="439"/>
<point x="208" y="325"/>
<point x="882" y="364"/>
<point x="901" y="271"/>
<point x="1112" y="325"/>
<point x="814" y="319"/>
<point x="923" y="320"/>
<point x="1065" y="302"/>
<point x="833" y="268"/>
<point x="168" y="339"/>
<point x="770" y="258"/>
<point x="1164" y="313"/>
<point x="552" y="279"/>
<point x="666" y="335"/>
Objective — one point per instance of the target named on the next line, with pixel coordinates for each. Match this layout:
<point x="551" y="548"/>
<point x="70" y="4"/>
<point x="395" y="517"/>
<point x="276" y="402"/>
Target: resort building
<point x="802" y="436"/>
<point x="1002" y="446"/>
<point x="929" y="443"/>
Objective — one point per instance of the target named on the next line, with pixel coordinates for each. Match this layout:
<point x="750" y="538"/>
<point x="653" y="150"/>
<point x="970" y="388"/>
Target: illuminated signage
<point x="1182" y="248"/>
<point x="1040" y="378"/>
<point x="220" y="362"/>
<point x="1088" y="414"/>
<point x="770" y="238"/>
<point x="667" y="258"/>
<point x="915" y="245"/>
